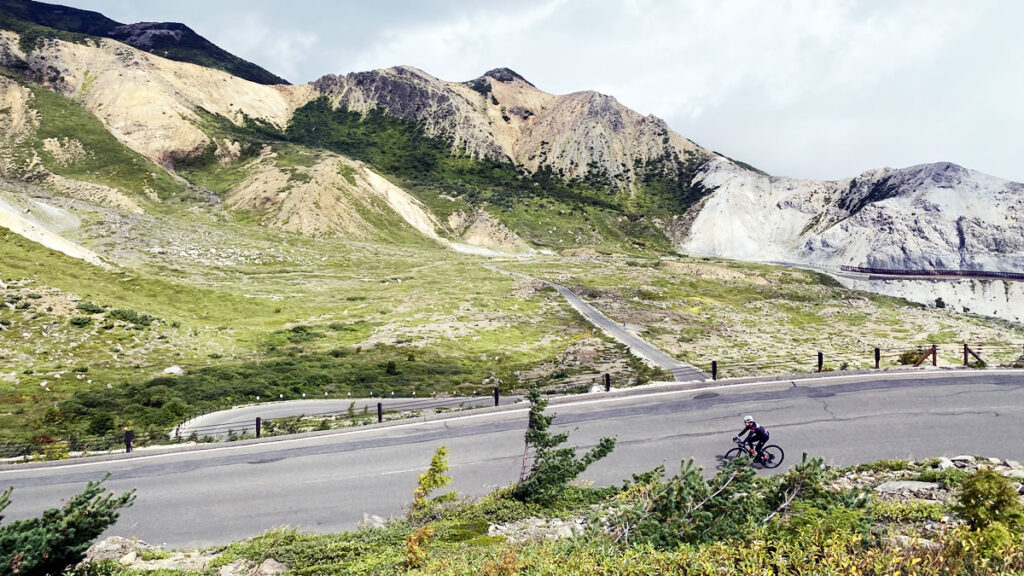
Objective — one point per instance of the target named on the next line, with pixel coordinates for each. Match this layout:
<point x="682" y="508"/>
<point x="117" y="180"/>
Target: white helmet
<point x="748" y="418"/>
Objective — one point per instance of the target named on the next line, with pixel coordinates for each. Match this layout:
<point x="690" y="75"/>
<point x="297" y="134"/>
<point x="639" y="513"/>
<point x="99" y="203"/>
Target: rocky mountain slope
<point x="930" y="217"/>
<point x="35" y="20"/>
<point x="494" y="162"/>
<point x="503" y="117"/>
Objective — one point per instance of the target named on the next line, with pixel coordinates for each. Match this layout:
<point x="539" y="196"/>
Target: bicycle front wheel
<point x="734" y="454"/>
<point x="772" y="456"/>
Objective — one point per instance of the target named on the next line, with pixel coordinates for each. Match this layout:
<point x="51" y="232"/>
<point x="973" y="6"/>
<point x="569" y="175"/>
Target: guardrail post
<point x="607" y="382"/>
<point x="496" y="395"/>
<point x="259" y="426"/>
<point x="821" y="361"/>
<point x="380" y="412"/>
<point x="714" y="369"/>
<point x="965" y="353"/>
<point x="878" y="357"/>
<point x="935" y="355"/>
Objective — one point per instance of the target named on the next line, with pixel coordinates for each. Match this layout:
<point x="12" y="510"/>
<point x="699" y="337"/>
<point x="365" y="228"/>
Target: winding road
<point x="324" y="482"/>
<point x="681" y="371"/>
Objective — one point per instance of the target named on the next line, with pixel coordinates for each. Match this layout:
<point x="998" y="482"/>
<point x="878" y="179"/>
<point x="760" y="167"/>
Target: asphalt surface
<point x="242" y="419"/>
<point x="215" y="494"/>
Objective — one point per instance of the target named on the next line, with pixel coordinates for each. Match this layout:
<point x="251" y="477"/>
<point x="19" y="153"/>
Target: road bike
<point x="770" y="456"/>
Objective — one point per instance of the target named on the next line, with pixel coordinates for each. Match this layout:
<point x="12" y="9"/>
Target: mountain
<point x="493" y="162"/>
<point x="38" y="20"/>
<point x="503" y="117"/>
<point x="929" y="217"/>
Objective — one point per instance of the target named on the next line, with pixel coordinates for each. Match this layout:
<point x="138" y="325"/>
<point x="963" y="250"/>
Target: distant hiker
<point x="129" y="439"/>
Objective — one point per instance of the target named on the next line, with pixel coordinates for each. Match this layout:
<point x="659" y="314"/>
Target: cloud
<point x="281" y="51"/>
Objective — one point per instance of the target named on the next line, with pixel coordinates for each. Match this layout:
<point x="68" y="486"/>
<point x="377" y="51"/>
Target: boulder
<point x="945" y="463"/>
<point x="901" y="541"/>
<point x="897" y="486"/>
<point x="270" y="567"/>
<point x="963" y="460"/>
<point x="1014" y="474"/>
<point x="174" y="371"/>
<point x="370" y="521"/>
<point x="115" y="548"/>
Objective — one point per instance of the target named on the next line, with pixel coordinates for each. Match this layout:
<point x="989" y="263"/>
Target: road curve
<point x="326" y="482"/>
<point x="681" y="371"/>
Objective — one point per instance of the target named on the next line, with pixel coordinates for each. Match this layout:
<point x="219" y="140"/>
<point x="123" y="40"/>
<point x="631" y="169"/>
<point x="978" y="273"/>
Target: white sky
<point x="805" y="88"/>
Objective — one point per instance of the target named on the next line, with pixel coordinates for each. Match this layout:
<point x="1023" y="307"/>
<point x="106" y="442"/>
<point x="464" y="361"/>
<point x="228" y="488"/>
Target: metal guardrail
<point x="954" y="273"/>
<point x="996" y="354"/>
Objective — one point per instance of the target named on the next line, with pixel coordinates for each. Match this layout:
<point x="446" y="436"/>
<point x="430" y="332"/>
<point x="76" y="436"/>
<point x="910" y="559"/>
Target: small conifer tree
<point x="553" y="467"/>
<point x="56" y="541"/>
<point x="433" y="479"/>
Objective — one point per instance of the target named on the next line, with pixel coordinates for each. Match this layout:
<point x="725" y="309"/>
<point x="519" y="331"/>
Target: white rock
<point x="270" y="567"/>
<point x="174" y="370"/>
<point x="1015" y="474"/>
<point x="945" y="463"/>
<point x="905" y="486"/>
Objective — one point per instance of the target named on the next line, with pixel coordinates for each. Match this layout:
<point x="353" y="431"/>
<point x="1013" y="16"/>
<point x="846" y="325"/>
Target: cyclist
<point x="755" y="434"/>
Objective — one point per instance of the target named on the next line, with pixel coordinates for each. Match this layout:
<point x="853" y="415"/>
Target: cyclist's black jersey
<point x="756" y="434"/>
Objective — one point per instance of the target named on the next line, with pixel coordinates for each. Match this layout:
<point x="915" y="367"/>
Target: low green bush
<point x="57" y="540"/>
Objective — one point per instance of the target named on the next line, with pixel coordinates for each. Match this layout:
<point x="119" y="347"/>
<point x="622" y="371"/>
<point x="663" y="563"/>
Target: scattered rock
<point x="945" y="463"/>
<point x="174" y="370"/>
<point x="236" y="568"/>
<point x="962" y="461"/>
<point x="371" y="521"/>
<point x="902" y="541"/>
<point x="534" y="529"/>
<point x="270" y="567"/>
<point x="1014" y="474"/>
<point x="893" y="486"/>
<point x="115" y="548"/>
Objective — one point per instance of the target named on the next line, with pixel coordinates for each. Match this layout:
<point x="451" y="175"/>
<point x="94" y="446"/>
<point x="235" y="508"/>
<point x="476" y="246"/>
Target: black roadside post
<point x="380" y="412"/>
<point x="714" y="369"/>
<point x="495" y="395"/>
<point x="878" y="357"/>
<point x="607" y="382"/>
<point x="259" y="426"/>
<point x="821" y="361"/>
<point x="129" y="439"/>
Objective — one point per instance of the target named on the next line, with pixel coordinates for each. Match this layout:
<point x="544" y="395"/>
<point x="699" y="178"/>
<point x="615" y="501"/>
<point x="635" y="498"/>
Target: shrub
<point x="80" y="321"/>
<point x="416" y="546"/>
<point x="910" y="511"/>
<point x="908" y="357"/>
<point x="946" y="478"/>
<point x="89" y="307"/>
<point x="433" y="479"/>
<point x="985" y="497"/>
<point x="553" y="468"/>
<point x="131" y="316"/>
<point x="56" y="541"/>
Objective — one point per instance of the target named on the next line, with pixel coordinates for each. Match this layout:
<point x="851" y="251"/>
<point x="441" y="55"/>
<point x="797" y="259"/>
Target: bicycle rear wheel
<point x="773" y="456"/>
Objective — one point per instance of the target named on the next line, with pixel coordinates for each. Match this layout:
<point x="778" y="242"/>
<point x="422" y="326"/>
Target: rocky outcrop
<point x="929" y="217"/>
<point x="151" y="104"/>
<point x="933" y="216"/>
<point x="502" y="116"/>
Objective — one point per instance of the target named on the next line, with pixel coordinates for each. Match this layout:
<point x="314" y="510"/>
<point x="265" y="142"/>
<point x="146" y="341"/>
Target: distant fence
<point x="955" y="273"/>
<point x="383" y="410"/>
<point x="976" y="355"/>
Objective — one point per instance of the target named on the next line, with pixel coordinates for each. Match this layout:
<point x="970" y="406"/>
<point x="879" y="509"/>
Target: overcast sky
<point x="816" y="89"/>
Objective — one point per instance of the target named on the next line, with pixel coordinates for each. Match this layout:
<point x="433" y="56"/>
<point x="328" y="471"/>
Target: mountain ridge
<point x="499" y="151"/>
<point x="171" y="40"/>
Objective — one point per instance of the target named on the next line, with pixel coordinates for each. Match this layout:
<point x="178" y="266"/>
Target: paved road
<point x="681" y="371"/>
<point x="242" y="419"/>
<point x="324" y="483"/>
